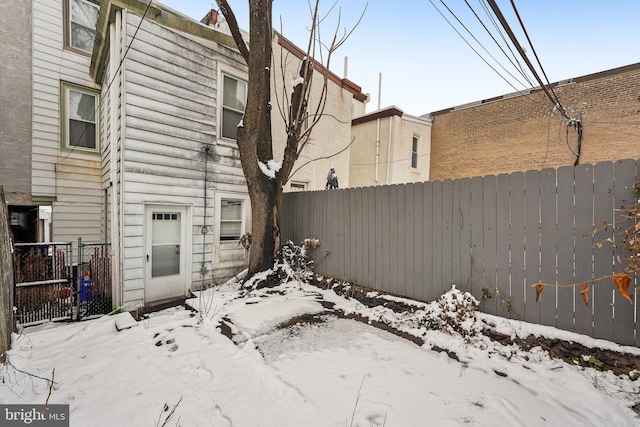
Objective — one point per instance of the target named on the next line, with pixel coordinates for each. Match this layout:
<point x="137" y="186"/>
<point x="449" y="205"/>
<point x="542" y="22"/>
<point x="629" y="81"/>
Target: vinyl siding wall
<point x="71" y="180"/>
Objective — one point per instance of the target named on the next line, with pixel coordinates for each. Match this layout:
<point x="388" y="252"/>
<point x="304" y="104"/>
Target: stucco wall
<point x="15" y="101"/>
<point x="393" y="165"/>
<point x="524" y="132"/>
<point x="330" y="136"/>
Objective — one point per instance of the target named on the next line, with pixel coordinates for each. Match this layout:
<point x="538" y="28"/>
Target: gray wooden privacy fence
<point x="493" y="236"/>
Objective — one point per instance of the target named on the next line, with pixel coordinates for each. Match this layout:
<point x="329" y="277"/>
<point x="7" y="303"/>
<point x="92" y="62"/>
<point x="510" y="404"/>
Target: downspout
<point x="203" y="267"/>
<point x="120" y="27"/>
<point x="114" y="34"/>
<point x="389" y="150"/>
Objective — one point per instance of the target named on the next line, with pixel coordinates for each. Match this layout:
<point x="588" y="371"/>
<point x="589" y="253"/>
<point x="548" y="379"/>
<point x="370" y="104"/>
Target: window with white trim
<point x="231" y="219"/>
<point x="234" y="97"/>
<point x="79" y="118"/>
<point x="298" y="186"/>
<point x="81" y="18"/>
<point x="414" y="152"/>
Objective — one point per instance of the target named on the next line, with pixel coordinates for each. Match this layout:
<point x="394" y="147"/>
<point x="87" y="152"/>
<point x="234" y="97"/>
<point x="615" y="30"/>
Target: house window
<point x="298" y="186"/>
<point x="79" y="126"/>
<point x="234" y="95"/>
<point x="230" y="219"/>
<point x="81" y="19"/>
<point x="414" y="153"/>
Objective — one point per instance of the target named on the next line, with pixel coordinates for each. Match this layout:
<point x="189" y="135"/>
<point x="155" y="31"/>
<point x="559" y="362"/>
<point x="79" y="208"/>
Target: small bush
<point x="453" y="312"/>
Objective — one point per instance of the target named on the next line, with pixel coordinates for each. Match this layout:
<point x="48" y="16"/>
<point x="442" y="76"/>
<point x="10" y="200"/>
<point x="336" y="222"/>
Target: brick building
<point x="523" y="131"/>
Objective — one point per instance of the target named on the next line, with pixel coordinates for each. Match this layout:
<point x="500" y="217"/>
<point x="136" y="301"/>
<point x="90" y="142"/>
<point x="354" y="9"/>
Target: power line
<point x="536" y="56"/>
<point x="516" y="43"/>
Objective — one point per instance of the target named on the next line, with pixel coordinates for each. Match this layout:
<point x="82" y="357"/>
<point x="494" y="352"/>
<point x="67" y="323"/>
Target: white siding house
<point x="175" y="198"/>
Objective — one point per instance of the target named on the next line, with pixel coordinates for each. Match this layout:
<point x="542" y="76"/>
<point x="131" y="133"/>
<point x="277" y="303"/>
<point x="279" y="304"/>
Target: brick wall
<point x="523" y="132"/>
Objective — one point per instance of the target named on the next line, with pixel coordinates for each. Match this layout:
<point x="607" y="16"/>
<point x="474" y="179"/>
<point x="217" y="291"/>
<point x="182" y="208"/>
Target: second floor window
<point x="82" y="16"/>
<point x="80" y="118"/>
<point x="234" y="95"/>
<point x="414" y="153"/>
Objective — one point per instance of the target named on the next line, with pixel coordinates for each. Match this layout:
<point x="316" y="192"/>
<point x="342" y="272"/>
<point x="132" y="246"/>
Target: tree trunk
<point x="255" y="140"/>
<point x="6" y="280"/>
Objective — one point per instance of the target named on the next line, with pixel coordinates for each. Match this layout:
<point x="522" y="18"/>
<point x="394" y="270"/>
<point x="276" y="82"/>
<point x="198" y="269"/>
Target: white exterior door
<point x="166" y="252"/>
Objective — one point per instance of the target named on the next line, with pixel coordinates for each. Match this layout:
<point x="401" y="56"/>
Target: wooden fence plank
<point x="436" y="267"/>
<point x="393" y="239"/>
<point x="565" y="247"/>
<point x="623" y="323"/>
<point x="381" y="197"/>
<point x="603" y="257"/>
<point x="358" y="235"/>
<point x="503" y="246"/>
<point x="477" y="243"/>
<point x="532" y="244"/>
<point x="402" y="234"/>
<point x="372" y="236"/>
<point x="548" y="232"/>
<point x="386" y="238"/>
<point x="405" y="281"/>
<point x="502" y="288"/>
<point x="490" y="240"/>
<point x="464" y="282"/>
<point x="334" y="210"/>
<point x="447" y="235"/>
<point x="418" y="244"/>
<point x="584" y="224"/>
<point x="428" y="243"/>
<point x="456" y="229"/>
<point x="517" y="230"/>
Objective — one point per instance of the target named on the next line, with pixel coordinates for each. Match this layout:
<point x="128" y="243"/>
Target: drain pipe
<point x="115" y="223"/>
<point x="203" y="267"/>
<point x="389" y="150"/>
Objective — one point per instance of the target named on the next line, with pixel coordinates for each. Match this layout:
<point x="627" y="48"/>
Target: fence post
<point x="6" y="280"/>
<point x="78" y="278"/>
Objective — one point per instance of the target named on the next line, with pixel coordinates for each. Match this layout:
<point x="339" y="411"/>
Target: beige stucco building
<point x="389" y="147"/>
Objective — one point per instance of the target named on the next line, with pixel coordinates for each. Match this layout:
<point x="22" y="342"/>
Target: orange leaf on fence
<point x="622" y="281"/>
<point x="585" y="293"/>
<point x="539" y="287"/>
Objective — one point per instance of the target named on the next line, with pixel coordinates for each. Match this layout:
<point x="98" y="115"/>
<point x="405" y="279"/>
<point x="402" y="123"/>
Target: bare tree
<point x="265" y="178"/>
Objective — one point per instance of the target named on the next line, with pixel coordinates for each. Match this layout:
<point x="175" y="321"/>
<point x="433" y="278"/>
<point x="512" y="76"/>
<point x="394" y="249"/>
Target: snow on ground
<point x="332" y="371"/>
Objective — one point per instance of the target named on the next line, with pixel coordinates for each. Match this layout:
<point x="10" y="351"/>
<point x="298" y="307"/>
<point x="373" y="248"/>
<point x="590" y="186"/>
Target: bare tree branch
<point x="235" y="29"/>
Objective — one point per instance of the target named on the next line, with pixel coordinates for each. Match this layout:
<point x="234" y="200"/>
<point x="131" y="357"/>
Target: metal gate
<point x="50" y="286"/>
<point x="93" y="295"/>
<point x="44" y="282"/>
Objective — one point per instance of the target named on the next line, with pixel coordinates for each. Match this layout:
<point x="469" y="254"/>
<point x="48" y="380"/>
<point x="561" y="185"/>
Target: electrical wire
<point x="472" y="48"/>
<point x="535" y="54"/>
<point x="516" y="43"/>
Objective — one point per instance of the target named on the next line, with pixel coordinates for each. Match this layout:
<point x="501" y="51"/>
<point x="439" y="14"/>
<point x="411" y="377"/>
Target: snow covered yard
<point x="299" y="355"/>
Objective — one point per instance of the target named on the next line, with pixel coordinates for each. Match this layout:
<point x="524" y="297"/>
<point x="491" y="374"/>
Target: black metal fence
<point x="94" y="279"/>
<point x="44" y="282"/>
<point x="52" y="285"/>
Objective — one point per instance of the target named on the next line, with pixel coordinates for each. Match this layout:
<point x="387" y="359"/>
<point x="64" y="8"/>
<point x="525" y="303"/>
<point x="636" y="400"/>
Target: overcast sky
<point x="427" y="67"/>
